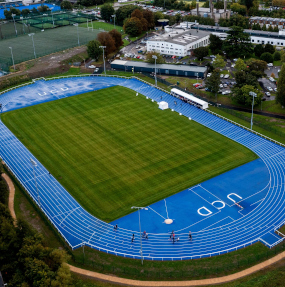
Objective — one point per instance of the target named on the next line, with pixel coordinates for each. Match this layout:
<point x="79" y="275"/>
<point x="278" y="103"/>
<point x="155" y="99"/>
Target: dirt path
<point x="11" y="196"/>
<point x="130" y="282"/>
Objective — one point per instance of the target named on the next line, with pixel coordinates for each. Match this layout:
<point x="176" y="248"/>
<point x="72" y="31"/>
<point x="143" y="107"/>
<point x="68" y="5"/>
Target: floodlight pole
<point x="32" y="35"/>
<point x="103" y="47"/>
<point x="76" y="24"/>
<point x="155" y="57"/>
<point x="253" y="96"/>
<point x="13" y="15"/>
<point x="114" y="16"/>
<point x="0" y="111"/>
<point x="52" y="17"/>
<point x="139" y="208"/>
<point x="12" y="57"/>
<point x="35" y="164"/>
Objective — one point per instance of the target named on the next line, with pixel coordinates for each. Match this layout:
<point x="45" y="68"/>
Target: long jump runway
<point x="260" y="213"/>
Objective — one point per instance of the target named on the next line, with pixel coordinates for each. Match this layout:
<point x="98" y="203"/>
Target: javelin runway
<point x="81" y="228"/>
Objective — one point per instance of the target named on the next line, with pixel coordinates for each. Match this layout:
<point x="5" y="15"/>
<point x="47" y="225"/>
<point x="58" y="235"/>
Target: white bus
<point x="189" y="99"/>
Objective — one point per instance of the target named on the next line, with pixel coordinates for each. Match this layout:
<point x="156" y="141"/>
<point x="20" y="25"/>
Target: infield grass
<point x="111" y="149"/>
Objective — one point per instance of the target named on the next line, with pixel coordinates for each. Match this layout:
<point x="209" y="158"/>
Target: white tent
<point x="163" y="105"/>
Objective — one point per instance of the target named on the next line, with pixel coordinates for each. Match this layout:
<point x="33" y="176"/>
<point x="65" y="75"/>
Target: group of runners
<point x="145" y="235"/>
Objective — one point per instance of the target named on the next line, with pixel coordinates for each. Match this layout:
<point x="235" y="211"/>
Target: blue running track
<point x="78" y="227"/>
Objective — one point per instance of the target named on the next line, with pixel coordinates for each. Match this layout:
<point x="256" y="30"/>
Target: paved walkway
<point x="130" y="282"/>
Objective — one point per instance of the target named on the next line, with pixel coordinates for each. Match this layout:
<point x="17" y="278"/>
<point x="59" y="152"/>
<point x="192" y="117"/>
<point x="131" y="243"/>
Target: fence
<point x="256" y="123"/>
<point x="36" y="23"/>
<point x="194" y="273"/>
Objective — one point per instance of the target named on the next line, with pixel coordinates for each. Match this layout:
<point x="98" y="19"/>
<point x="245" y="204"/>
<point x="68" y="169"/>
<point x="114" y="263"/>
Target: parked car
<point x="233" y="65"/>
<point x="275" y="89"/>
<point x="267" y="94"/>
<point x="212" y="56"/>
<point x="271" y="79"/>
<point x="270" y="65"/>
<point x="226" y="92"/>
<point x="91" y="67"/>
<point x="96" y="70"/>
<point x="221" y="85"/>
<point x="209" y="75"/>
<point x="221" y="75"/>
<point x="269" y="89"/>
<point x="226" y="76"/>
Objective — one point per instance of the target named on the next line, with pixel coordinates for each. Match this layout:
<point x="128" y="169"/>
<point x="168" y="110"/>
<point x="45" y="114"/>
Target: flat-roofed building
<point x="178" y="42"/>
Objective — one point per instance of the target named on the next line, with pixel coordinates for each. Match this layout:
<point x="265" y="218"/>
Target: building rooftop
<point x="185" y="68"/>
<point x="181" y="36"/>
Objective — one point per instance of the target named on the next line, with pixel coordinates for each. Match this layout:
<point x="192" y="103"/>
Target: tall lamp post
<point x="0" y="111"/>
<point x="155" y="57"/>
<point x="32" y="35"/>
<point x="139" y="208"/>
<point x="103" y="47"/>
<point x="254" y="95"/>
<point x="76" y="25"/>
<point x="52" y="17"/>
<point x="12" y="57"/>
<point x="13" y="15"/>
<point x="114" y="16"/>
<point x="34" y="164"/>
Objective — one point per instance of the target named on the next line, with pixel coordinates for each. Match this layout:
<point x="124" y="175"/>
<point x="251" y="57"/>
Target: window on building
<point x="252" y="40"/>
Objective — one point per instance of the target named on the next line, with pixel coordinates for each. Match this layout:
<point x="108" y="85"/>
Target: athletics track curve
<point x="81" y="228"/>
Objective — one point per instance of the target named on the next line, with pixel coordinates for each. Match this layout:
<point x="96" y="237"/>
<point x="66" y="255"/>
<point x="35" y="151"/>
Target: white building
<point x="178" y="42"/>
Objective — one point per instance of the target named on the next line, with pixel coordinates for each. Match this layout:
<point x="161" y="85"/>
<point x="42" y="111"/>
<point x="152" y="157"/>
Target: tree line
<point x="25" y="258"/>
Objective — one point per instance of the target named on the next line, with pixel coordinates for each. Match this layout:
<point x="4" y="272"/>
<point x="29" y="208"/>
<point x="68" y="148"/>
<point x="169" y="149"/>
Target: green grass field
<point x="112" y="150"/>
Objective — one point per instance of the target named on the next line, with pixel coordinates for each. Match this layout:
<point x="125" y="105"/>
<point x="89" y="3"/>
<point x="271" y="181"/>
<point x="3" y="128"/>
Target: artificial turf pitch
<point x="112" y="150"/>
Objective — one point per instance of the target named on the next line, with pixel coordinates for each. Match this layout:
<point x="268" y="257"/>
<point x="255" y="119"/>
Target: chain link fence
<point x="192" y="273"/>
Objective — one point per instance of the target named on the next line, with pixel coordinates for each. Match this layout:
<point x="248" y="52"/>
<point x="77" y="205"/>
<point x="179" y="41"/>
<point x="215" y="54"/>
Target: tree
<point x="43" y="8"/>
<point x="66" y="5"/>
<point x="237" y="43"/>
<point x="267" y="57"/>
<point x="269" y="48"/>
<point x="258" y="50"/>
<point x="213" y="82"/>
<point x="149" y="17"/>
<point x="256" y="65"/>
<point x="93" y="50"/>
<point x="245" y="78"/>
<point x="117" y="36"/>
<point x="241" y="95"/>
<point x="124" y="12"/>
<point x="137" y="13"/>
<point x="219" y="62"/>
<point x="133" y="26"/>
<point x="277" y="56"/>
<point x="215" y="44"/>
<point x="201" y="52"/>
<point x="25" y="12"/>
<point x="280" y="96"/>
<point x="247" y="3"/>
<point x="150" y="60"/>
<point x="177" y="17"/>
<point x="240" y="65"/>
<point x="106" y="40"/>
<point x="107" y="11"/>
<point x="240" y="9"/>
